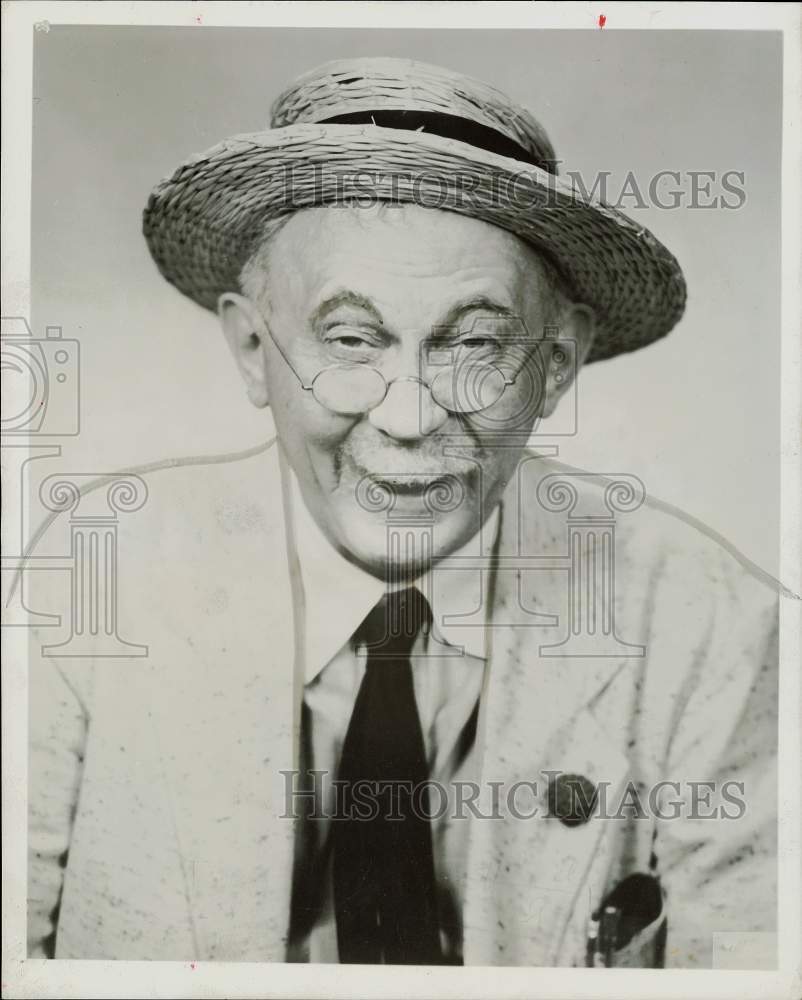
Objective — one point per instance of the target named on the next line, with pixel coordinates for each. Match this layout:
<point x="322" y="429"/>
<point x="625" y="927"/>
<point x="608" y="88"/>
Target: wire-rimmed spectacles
<point x="350" y="389"/>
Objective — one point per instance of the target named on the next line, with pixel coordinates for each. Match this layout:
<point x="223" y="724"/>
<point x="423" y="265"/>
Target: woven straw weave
<point x="203" y="222"/>
<point x="390" y="84"/>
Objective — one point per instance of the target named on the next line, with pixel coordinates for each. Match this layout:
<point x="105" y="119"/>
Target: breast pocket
<point x="539" y="874"/>
<point x="629" y="926"/>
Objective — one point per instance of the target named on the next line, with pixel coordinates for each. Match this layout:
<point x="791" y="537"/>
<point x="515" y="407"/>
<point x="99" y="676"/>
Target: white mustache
<point x="403" y="464"/>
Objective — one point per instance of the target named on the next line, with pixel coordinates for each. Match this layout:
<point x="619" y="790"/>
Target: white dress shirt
<point x="447" y="670"/>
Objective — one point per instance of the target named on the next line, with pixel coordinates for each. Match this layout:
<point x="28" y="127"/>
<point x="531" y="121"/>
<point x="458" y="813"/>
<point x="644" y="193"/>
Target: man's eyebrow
<point x="470" y="305"/>
<point x="344" y="298"/>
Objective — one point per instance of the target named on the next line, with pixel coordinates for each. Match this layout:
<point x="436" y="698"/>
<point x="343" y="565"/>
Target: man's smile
<point x="412" y="485"/>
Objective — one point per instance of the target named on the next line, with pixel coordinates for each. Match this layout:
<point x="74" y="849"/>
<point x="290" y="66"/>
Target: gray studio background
<point x="696" y="416"/>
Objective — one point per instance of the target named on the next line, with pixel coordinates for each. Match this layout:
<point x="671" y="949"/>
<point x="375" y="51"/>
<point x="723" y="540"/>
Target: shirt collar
<point x="338" y="595"/>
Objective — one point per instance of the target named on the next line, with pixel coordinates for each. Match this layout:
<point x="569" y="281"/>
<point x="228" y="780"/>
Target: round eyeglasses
<point x="351" y="389"/>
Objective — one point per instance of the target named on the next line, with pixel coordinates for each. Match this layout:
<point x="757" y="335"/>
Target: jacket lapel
<point x="226" y="711"/>
<point x="525" y="874"/>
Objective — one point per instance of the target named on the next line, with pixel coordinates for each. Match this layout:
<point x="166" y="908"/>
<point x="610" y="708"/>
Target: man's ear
<point x="243" y="326"/>
<point x="564" y="355"/>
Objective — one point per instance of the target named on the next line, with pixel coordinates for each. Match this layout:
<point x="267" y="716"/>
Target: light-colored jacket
<point x="156" y="798"/>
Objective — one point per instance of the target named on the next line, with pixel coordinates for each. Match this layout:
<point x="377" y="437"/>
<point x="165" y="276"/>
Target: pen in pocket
<point x="601" y="938"/>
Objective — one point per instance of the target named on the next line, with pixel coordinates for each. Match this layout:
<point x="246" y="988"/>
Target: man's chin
<point x="400" y="548"/>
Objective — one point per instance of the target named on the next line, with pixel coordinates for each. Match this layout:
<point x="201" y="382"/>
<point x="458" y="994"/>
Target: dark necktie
<point x="384" y="886"/>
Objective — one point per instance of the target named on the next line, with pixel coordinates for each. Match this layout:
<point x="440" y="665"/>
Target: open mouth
<point x="440" y="489"/>
<point x="440" y="494"/>
<point x="412" y="484"/>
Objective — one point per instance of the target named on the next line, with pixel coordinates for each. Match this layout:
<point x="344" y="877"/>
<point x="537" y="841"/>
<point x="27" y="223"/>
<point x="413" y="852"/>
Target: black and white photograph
<point x="401" y="475"/>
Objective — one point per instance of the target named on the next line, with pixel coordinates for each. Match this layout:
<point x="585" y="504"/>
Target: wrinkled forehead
<point x="413" y="263"/>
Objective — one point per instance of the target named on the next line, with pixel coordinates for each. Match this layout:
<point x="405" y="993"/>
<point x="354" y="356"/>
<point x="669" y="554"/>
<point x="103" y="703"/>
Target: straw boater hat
<point x="399" y="130"/>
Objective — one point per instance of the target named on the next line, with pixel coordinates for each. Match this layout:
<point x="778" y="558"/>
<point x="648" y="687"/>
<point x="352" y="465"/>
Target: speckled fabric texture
<point x="156" y="797"/>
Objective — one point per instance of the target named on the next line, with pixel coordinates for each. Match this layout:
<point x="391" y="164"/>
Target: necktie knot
<point x="391" y="627"/>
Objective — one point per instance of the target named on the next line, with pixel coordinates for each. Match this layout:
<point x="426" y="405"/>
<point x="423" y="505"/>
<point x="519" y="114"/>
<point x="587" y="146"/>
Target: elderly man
<point x="409" y="698"/>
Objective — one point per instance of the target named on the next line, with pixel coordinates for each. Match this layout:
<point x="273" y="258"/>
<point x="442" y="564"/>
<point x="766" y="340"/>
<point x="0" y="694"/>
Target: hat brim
<point x="202" y="223"/>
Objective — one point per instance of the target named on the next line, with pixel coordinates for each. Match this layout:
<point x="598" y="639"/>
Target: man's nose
<point x="408" y="411"/>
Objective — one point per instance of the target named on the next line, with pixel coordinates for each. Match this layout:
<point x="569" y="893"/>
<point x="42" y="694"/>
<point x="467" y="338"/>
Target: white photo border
<point x="23" y="977"/>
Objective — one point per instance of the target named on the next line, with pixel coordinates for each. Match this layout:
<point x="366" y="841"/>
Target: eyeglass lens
<point x="353" y="389"/>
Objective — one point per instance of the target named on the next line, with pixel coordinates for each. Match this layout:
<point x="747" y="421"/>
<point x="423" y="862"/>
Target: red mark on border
<point x="602" y="20"/>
